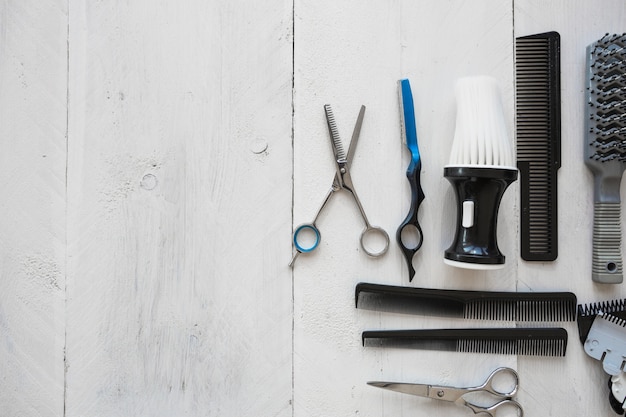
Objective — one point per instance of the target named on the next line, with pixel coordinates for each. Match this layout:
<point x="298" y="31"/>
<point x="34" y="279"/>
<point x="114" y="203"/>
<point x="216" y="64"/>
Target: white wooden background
<point x="156" y="155"/>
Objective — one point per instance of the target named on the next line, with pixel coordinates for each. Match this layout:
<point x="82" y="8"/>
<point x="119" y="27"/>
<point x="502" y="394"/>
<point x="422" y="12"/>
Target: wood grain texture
<point x="156" y="156"/>
<point x="179" y="302"/>
<point x="33" y="85"/>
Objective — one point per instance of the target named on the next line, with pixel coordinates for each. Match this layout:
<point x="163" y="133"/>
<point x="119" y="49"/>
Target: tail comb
<point x="482" y="305"/>
<point x="516" y="341"/>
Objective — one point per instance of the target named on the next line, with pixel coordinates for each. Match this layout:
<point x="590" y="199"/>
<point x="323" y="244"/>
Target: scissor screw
<point x="440" y="393"/>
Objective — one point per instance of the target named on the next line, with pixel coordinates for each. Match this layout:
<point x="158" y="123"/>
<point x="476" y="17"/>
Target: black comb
<point x="588" y="312"/>
<point x="538" y="126"/>
<point x="515" y="341"/>
<point x="483" y="305"/>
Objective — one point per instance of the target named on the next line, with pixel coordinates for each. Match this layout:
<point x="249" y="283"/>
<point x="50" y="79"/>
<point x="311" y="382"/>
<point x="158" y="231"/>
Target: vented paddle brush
<point x="480" y="170"/>
<point x="605" y="151"/>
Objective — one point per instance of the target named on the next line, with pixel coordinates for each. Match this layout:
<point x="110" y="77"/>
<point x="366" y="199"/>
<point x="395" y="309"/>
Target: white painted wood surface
<point x="33" y="113"/>
<point x="156" y="157"/>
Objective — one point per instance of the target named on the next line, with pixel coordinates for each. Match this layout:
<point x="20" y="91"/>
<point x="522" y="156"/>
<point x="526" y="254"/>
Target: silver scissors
<point x="455" y="395"/>
<point x="342" y="181"/>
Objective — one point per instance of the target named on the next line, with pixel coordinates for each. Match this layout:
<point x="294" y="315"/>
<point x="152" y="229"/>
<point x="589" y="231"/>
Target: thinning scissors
<point x="455" y="395"/>
<point x="342" y="181"/>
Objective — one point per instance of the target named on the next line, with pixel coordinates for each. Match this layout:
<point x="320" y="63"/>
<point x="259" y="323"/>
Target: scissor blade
<point x="355" y="134"/>
<point x="407" y="118"/>
<point x="335" y="140"/>
<point x="421" y="390"/>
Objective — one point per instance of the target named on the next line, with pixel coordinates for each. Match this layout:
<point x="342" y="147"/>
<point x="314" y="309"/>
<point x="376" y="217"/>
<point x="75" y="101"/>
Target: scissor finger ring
<point x="304" y="244"/>
<point x="371" y="234"/>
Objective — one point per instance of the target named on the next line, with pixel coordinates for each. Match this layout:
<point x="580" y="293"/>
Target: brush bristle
<point x="607" y="98"/>
<point x="481" y="136"/>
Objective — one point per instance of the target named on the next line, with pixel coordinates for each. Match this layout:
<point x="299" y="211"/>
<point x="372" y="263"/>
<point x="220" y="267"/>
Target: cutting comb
<point x="605" y="151"/>
<point x="515" y="341"/>
<point x="538" y="130"/>
<point x="481" y="305"/>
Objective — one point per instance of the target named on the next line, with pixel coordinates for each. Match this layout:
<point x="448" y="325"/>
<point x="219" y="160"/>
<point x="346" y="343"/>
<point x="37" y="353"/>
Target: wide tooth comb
<point x="514" y="341"/>
<point x="605" y="151"/>
<point x="482" y="305"/>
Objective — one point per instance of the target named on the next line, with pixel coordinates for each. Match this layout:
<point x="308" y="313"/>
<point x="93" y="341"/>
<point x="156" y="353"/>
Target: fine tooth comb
<point x="483" y="305"/>
<point x="515" y="341"/>
<point x="538" y="127"/>
<point x="605" y="151"/>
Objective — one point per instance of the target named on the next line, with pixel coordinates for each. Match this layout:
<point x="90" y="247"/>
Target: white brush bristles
<point x="481" y="136"/>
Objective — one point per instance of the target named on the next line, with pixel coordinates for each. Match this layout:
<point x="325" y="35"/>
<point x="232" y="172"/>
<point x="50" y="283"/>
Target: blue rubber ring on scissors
<point x="312" y="247"/>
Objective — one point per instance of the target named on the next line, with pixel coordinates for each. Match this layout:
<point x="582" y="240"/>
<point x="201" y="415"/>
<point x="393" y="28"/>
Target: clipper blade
<point x="606" y="342"/>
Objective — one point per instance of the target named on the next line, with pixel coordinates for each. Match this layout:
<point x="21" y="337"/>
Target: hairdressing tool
<point x="508" y="341"/>
<point x="455" y="395"/>
<point x="605" y="151"/>
<point x="480" y="170"/>
<point x="483" y="305"/>
<point x="601" y="328"/>
<point x="538" y="127"/>
<point x="342" y="181"/>
<point x="606" y="342"/>
<point x="617" y="392"/>
<point x="410" y="227"/>
<point x="587" y="314"/>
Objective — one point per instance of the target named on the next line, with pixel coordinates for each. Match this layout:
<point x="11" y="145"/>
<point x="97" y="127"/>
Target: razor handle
<point x="410" y="227"/>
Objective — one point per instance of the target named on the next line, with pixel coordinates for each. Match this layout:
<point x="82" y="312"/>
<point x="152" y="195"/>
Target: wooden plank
<point x="585" y="391"/>
<point x="347" y="54"/>
<point x="33" y="80"/>
<point x="179" y="298"/>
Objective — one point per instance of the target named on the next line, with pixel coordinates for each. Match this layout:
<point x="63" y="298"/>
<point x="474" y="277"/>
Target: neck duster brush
<point x="480" y="170"/>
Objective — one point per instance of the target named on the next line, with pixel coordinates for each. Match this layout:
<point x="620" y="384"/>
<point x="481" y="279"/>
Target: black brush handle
<point x="410" y="223"/>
